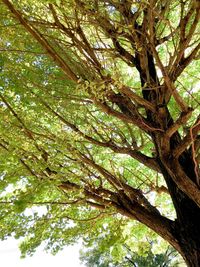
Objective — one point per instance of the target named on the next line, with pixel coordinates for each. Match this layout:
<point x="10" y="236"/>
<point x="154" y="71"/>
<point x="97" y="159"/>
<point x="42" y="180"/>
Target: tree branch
<point x="184" y="117"/>
<point x="136" y="98"/>
<point x="183" y="182"/>
<point x="147" y="161"/>
<point x="43" y="42"/>
<point x="187" y="140"/>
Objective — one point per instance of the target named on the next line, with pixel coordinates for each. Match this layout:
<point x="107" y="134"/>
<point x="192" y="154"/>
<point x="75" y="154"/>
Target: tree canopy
<point x="100" y="115"/>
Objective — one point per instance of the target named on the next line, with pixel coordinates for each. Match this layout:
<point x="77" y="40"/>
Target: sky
<point x="10" y="256"/>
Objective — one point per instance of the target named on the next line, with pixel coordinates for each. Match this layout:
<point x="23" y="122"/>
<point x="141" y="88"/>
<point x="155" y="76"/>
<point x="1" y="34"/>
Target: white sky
<point x="10" y="257"/>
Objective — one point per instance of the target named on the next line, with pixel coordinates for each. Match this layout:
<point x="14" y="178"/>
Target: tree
<point x="94" y="258"/>
<point x="111" y="249"/>
<point x="100" y="119"/>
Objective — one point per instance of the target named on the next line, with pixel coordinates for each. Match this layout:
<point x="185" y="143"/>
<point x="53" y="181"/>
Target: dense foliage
<point x="116" y="249"/>
<point x="99" y="106"/>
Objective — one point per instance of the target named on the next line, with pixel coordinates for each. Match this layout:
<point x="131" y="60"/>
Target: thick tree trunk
<point x="189" y="240"/>
<point x="188" y="233"/>
<point x="187" y="223"/>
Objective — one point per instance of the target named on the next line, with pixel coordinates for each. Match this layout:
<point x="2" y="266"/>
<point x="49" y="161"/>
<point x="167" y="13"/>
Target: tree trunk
<point x="188" y="236"/>
<point x="187" y="223"/>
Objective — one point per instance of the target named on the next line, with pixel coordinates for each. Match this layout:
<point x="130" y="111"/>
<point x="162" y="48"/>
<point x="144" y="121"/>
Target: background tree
<point x="94" y="258"/>
<point x="113" y="248"/>
<point x="108" y="128"/>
